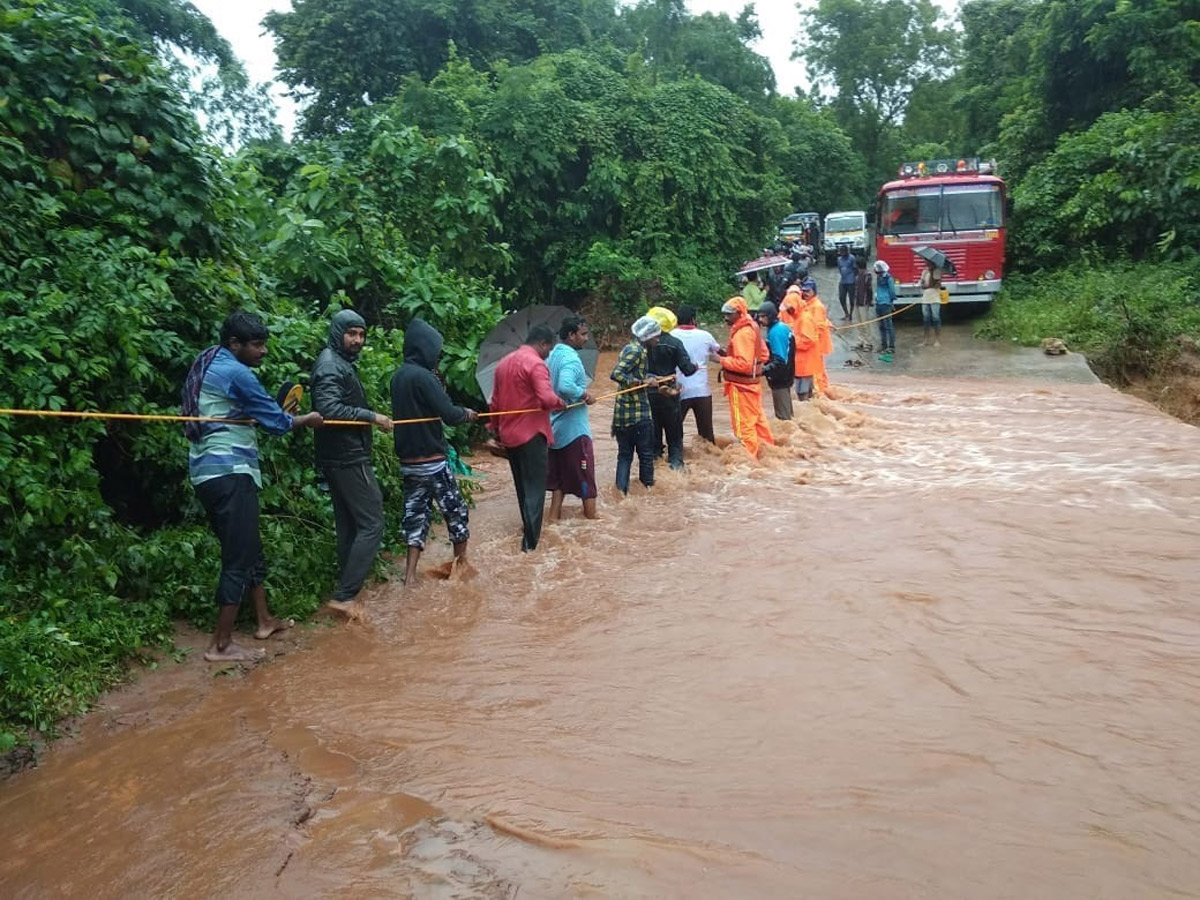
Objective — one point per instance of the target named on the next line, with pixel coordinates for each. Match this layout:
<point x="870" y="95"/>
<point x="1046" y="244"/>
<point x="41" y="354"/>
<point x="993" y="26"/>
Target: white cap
<point x="646" y="328"/>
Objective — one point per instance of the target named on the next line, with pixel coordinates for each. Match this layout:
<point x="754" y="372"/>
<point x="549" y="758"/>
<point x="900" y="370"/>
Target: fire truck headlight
<point x="989" y="274"/>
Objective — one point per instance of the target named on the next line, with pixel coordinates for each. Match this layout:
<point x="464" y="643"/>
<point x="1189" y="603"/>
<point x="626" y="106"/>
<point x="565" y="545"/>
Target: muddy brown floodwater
<point x="945" y="642"/>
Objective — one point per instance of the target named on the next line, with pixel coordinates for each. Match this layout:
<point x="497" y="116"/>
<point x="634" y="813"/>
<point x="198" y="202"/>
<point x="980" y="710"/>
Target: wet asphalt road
<point x="961" y="354"/>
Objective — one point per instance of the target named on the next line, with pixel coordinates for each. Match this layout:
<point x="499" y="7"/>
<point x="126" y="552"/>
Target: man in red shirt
<point x="522" y="381"/>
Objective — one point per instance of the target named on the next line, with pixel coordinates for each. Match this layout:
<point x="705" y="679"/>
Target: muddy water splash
<point x="942" y="642"/>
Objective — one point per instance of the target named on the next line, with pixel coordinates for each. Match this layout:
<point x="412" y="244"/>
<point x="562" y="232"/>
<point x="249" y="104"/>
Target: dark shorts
<point x="572" y="469"/>
<point x="420" y="493"/>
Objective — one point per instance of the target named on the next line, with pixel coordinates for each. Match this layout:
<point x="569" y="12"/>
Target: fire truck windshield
<point x="940" y="208"/>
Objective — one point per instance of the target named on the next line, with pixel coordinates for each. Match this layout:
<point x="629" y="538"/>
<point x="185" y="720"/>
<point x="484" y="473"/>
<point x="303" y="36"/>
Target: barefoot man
<point x="344" y="456"/>
<point x="421" y="446"/>
<point x="223" y="469"/>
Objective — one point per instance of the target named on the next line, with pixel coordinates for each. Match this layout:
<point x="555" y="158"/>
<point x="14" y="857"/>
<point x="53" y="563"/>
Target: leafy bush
<point x="127" y="241"/>
<point x="1129" y="184"/>
<point x="1125" y="317"/>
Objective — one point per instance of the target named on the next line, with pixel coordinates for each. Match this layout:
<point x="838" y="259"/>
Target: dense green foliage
<point x="127" y="241"/>
<point x="462" y="158"/>
<point x="1126" y="317"/>
<point x="672" y="181"/>
<point x="1090" y="109"/>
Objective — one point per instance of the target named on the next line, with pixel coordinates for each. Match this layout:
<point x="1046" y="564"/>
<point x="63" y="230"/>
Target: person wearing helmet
<point x="632" y="424"/>
<point x="885" y="309"/>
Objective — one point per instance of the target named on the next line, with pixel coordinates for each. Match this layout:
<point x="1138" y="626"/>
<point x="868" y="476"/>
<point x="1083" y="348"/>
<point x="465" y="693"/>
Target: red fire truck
<point x="954" y="205"/>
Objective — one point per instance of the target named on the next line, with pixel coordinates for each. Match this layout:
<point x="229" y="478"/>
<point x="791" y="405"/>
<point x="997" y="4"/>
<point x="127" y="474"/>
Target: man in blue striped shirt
<point x="223" y="469"/>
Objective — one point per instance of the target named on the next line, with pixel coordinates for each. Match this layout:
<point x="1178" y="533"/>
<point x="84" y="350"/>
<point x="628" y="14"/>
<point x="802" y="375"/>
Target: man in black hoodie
<point x="418" y="394"/>
<point x="344" y="456"/>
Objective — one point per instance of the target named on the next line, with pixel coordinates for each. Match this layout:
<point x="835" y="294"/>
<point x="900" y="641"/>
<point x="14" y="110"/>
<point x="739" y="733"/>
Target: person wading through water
<point x="223" y="469"/>
<point x="522" y="382"/>
<point x="808" y="293"/>
<point x="807" y="342"/>
<point x="572" y="461"/>
<point x="694" y="392"/>
<point x="778" y="371"/>
<point x="421" y="446"/>
<point x="662" y="359"/>
<point x="632" y="425"/>
<point x="344" y="456"/>
<point x="741" y="367"/>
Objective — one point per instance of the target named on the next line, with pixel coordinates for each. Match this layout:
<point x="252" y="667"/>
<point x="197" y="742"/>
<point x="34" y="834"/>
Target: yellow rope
<point x="894" y="312"/>
<point x="150" y="417"/>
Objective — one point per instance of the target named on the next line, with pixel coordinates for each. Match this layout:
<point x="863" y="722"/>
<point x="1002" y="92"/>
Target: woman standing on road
<point x="931" y="302"/>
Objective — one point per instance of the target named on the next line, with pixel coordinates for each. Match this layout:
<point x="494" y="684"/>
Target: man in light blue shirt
<point x="572" y="464"/>
<point x="846" y="277"/>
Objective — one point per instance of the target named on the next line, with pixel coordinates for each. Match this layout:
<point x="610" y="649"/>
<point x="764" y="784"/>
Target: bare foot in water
<point x="461" y="570"/>
<point x="233" y="653"/>
<point x="273" y="626"/>
<point x="351" y="609"/>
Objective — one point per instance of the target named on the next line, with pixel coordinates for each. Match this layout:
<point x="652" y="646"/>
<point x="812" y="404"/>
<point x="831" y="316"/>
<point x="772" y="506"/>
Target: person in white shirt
<point x="695" y="394"/>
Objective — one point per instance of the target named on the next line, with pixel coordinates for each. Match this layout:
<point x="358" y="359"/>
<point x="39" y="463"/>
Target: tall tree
<point x="344" y="54"/>
<point x="213" y="81"/>
<point x="713" y="46"/>
<point x="869" y="55"/>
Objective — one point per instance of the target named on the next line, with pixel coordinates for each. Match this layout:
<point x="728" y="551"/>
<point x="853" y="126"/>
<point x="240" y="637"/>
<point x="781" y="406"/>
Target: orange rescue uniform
<point x="808" y="340"/>
<point x="824" y="343"/>
<point x="742" y="370"/>
<point x="789" y="308"/>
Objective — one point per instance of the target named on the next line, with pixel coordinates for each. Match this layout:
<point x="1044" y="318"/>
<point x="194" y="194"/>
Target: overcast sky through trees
<point x="240" y="22"/>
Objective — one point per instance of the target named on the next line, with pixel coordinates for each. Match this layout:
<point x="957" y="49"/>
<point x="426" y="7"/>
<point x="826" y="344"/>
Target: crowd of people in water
<point x="539" y="419"/>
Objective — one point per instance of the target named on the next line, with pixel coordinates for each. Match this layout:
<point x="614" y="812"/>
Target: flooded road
<point x="944" y="642"/>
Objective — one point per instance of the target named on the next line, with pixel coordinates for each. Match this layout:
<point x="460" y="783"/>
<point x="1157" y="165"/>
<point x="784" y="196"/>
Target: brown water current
<point x="943" y="642"/>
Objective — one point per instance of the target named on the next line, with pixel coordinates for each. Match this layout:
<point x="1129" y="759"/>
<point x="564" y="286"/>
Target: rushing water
<point x="944" y="642"/>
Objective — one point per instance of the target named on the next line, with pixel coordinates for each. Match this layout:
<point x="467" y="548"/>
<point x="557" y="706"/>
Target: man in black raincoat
<point x="344" y="455"/>
<point x="422" y="447"/>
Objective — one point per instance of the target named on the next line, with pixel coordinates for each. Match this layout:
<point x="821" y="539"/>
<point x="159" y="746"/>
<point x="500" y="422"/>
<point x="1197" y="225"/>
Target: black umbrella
<point x="937" y="257"/>
<point x="510" y="333"/>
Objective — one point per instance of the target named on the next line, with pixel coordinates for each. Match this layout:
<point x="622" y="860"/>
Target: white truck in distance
<point x="847" y="227"/>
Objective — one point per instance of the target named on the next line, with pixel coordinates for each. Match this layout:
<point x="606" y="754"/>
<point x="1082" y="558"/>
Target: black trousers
<point x="358" y="523"/>
<point x="528" y="464"/>
<point x="231" y="502"/>
<point x="846" y="297"/>
<point x="701" y="408"/>
<point x="668" y="419"/>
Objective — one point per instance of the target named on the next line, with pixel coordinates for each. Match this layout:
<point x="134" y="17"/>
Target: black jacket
<point x="668" y="355"/>
<point x="417" y="394"/>
<point x="337" y="393"/>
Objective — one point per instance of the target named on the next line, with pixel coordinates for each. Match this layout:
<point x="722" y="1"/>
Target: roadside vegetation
<point x="455" y="164"/>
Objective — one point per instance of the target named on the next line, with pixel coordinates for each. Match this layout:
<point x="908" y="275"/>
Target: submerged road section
<point x="944" y="641"/>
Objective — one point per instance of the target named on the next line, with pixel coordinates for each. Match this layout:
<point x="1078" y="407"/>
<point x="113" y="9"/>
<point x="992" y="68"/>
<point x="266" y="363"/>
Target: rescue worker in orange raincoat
<point x="741" y="367"/>
<point x="789" y="306"/>
<point x="808" y="290"/>
<point x="808" y="342"/>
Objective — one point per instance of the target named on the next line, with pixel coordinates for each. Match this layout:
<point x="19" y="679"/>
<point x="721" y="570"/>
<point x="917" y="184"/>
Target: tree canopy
<point x="457" y="159"/>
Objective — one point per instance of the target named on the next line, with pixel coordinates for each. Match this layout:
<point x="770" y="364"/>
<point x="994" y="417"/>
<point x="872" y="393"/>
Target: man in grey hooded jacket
<point x="344" y="455"/>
